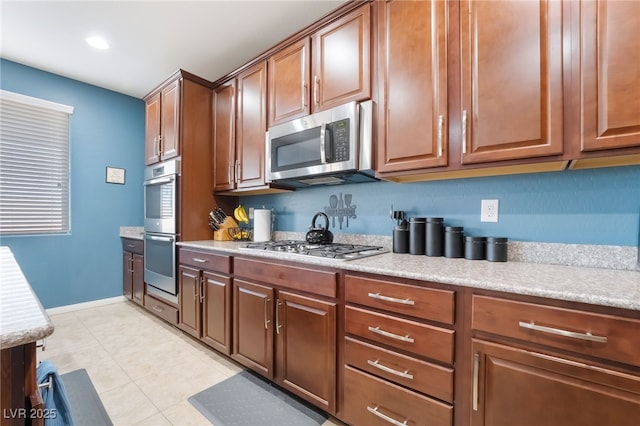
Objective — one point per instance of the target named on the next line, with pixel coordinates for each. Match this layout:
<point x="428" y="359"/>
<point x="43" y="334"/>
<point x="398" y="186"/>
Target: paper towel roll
<point x="261" y="225"/>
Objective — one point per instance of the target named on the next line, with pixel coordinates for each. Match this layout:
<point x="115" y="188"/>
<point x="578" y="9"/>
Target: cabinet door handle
<point x="199" y="260"/>
<point x="476" y="368"/>
<point x="316" y="84"/>
<point x="557" y="331"/>
<point x="305" y="95"/>
<point x="375" y="412"/>
<point x="464" y="131"/>
<point x="391" y="299"/>
<point x="405" y="374"/>
<point x="230" y="172"/>
<point x="237" y="177"/>
<point x="278" y="325"/>
<point x="201" y="289"/>
<point x="266" y="308"/>
<point x="160" y="145"/>
<point x="440" y="125"/>
<point x="377" y="330"/>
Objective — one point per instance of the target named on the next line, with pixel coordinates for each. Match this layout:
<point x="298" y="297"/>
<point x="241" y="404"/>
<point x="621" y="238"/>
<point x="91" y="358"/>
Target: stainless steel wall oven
<point x="160" y="228"/>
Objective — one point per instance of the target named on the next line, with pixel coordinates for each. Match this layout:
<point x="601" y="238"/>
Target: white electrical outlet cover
<point x="489" y="211"/>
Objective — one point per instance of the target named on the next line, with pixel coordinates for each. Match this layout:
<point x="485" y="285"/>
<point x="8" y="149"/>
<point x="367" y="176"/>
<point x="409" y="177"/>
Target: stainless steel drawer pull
<point x="391" y="299"/>
<point x="157" y="308"/>
<point x="391" y="335"/>
<point x="383" y="367"/>
<point x="199" y="260"/>
<point x="375" y="412"/>
<point x="582" y="336"/>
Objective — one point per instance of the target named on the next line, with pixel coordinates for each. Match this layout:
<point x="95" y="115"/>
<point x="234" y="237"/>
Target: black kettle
<point x="317" y="235"/>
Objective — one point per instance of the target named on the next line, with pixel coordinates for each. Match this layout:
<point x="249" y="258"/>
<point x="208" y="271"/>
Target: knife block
<point x="222" y="234"/>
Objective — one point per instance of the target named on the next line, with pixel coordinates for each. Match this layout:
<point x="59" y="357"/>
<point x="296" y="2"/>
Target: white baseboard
<point x="85" y="305"/>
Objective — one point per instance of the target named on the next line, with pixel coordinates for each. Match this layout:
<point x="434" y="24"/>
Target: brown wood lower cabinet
<point x="286" y="336"/>
<point x="399" y="352"/>
<point x="133" y="270"/>
<point x="372" y="401"/>
<point x="533" y="364"/>
<point x="520" y="387"/>
<point x="205" y="297"/>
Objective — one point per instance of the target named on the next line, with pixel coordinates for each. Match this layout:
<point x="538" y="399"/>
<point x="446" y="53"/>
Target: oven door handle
<point x="155" y="238"/>
<point x="158" y="181"/>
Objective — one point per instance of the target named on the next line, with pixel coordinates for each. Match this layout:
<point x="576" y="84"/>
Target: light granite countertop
<point x="133" y="232"/>
<point x="22" y="318"/>
<point x="599" y="286"/>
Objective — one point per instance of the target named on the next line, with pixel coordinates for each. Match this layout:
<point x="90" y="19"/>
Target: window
<point x="34" y="165"/>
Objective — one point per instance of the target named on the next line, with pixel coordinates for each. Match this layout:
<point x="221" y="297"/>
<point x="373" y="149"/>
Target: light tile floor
<point x="142" y="368"/>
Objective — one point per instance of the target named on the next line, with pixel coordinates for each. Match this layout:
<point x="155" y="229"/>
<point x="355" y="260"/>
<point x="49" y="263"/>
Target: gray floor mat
<point x="85" y="403"/>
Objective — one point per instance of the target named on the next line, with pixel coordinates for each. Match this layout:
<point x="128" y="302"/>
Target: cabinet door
<point x="190" y="306"/>
<point x="413" y="81"/>
<point x="524" y="388"/>
<point x="306" y="348"/>
<point x="252" y="326"/>
<point x="170" y="120"/>
<point x="224" y="142"/>
<point x="341" y="60"/>
<point x="251" y="126"/>
<point x="152" y="130"/>
<point x="512" y="105"/>
<point x="137" y="278"/>
<point x="289" y="72"/>
<point x="610" y="45"/>
<point x="127" y="277"/>
<point x="216" y="312"/>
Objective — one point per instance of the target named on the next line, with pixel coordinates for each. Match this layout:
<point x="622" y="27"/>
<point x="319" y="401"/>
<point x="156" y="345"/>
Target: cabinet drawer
<point x="204" y="260"/>
<point x="371" y="401"/>
<point x="420" y="302"/>
<point x="598" y="335"/>
<point x="424" y="377"/>
<point x="323" y="283"/>
<point x="161" y="309"/>
<point x="133" y="245"/>
<point x="422" y="339"/>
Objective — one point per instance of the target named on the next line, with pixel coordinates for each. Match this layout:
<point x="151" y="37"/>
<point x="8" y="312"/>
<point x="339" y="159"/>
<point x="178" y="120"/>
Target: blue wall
<point x="579" y="206"/>
<point x="106" y="129"/>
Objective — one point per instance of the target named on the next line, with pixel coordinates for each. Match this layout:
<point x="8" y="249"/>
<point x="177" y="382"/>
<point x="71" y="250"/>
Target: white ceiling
<point x="149" y="40"/>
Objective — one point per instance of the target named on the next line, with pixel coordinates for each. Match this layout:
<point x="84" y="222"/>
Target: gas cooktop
<point x="337" y="251"/>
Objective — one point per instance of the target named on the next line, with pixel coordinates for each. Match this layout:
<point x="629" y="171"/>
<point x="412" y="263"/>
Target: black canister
<point x="474" y="248"/>
<point x="401" y="239"/>
<point x="497" y="249"/>
<point x="435" y="236"/>
<point x="416" y="235"/>
<point x="453" y="246"/>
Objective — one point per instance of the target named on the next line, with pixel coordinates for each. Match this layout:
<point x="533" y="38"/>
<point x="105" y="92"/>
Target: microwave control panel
<point x="340" y="136"/>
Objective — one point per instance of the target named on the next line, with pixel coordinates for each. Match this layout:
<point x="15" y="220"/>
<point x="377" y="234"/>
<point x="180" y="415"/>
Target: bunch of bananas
<point x="241" y="214"/>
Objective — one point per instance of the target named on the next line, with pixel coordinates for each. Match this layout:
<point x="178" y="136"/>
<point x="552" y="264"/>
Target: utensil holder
<point x="222" y="234"/>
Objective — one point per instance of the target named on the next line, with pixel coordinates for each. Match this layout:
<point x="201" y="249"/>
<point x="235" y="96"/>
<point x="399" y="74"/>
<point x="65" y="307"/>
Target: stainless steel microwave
<point x="328" y="147"/>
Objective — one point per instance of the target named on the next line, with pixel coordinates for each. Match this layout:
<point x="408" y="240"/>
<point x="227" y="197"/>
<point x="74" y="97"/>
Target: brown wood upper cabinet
<point x="326" y="69"/>
<point x="162" y="123"/>
<point x="412" y="113"/>
<point x="609" y="45"/>
<point x="511" y="80"/>
<point x="240" y="123"/>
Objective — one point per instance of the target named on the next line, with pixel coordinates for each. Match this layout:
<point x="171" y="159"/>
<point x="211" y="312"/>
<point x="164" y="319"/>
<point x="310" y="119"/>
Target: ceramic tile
<point x="127" y="405"/>
<point x="185" y="414"/>
<point x="155" y="420"/>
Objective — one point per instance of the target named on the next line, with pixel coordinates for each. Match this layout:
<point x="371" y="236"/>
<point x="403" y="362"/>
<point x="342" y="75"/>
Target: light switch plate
<point x="489" y="211"/>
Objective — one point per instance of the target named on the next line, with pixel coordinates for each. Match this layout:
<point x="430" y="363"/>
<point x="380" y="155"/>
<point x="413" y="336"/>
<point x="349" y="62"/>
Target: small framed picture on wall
<point x="115" y="175"/>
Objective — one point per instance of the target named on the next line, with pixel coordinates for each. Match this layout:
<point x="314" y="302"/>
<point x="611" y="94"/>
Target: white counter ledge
<point x="598" y="286"/>
<point x="22" y="317"/>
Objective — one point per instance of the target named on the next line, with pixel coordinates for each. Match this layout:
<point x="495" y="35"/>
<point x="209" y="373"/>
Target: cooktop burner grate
<point x="338" y="251"/>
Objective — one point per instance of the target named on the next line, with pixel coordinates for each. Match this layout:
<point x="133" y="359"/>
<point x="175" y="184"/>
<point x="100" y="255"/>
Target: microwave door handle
<point x="323" y="141"/>
<point x="158" y="181"/>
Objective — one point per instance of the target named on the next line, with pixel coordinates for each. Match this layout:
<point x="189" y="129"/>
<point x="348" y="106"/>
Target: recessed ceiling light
<point x="97" y="42"/>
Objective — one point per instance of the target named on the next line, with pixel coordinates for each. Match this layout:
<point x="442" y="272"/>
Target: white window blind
<point x="34" y="165"/>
